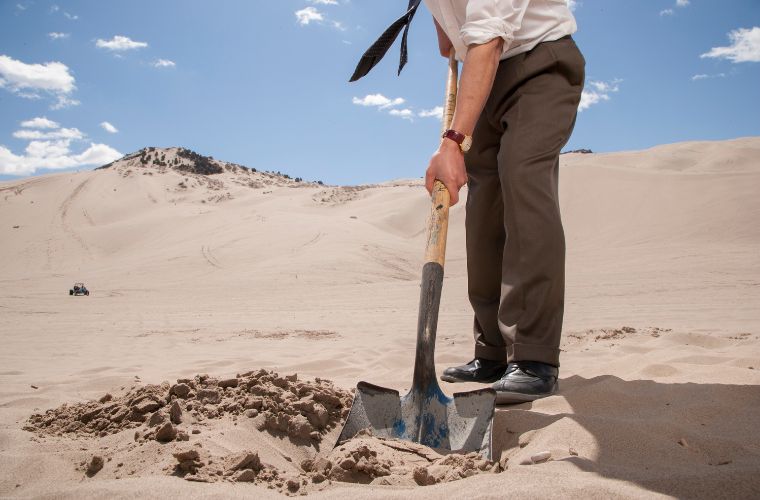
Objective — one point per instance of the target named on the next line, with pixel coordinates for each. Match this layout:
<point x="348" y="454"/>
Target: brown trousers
<point x="515" y="240"/>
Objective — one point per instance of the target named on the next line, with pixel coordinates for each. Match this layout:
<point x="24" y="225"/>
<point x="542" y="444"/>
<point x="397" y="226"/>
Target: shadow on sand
<point x="686" y="440"/>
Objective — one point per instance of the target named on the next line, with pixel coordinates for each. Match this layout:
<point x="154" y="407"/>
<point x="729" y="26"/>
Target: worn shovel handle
<point x="438" y="221"/>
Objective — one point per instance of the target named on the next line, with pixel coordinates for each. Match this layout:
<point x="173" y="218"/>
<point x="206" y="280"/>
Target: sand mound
<point x="302" y="412"/>
<point x="301" y="409"/>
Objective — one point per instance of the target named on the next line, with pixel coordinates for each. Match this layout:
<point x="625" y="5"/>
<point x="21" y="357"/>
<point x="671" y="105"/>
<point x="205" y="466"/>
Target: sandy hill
<point x="200" y="266"/>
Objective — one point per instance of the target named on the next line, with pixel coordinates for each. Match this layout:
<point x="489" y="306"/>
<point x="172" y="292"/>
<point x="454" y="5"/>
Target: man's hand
<point x="447" y="165"/>
<point x="478" y="71"/>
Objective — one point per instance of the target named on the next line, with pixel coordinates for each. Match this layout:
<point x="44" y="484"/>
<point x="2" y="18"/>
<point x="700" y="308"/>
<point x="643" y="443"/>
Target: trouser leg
<point x="484" y="226"/>
<point x="533" y="108"/>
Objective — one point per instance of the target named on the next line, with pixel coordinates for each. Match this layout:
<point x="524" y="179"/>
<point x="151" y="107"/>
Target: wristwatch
<point x="464" y="141"/>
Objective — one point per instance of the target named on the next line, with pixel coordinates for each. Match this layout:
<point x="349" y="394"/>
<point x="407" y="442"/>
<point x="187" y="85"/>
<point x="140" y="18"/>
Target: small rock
<point x="321" y="465"/>
<point x="96" y="463"/>
<point x="683" y="442"/>
<point x="34" y="387"/>
<point x="175" y="412"/>
<point x="190" y="454"/>
<point x="426" y="476"/>
<point x="180" y="390"/>
<point x="156" y="419"/>
<point x="293" y="485"/>
<point x="182" y="436"/>
<point x="197" y="479"/>
<point x="246" y="476"/>
<point x="196" y="431"/>
<point x="573" y="452"/>
<point x="146" y="406"/>
<point x="541" y="457"/>
<point x="209" y="396"/>
<point x="230" y="382"/>
<point x="106" y="398"/>
<point x="317" y="478"/>
<point x="348" y="464"/>
<point x="166" y="433"/>
<point x="250" y="413"/>
<point x="246" y="460"/>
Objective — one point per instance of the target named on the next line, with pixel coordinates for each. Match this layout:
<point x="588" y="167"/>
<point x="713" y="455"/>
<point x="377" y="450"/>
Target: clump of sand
<point x="303" y="410"/>
<point x="365" y="460"/>
<point x="369" y="459"/>
<point x="166" y="419"/>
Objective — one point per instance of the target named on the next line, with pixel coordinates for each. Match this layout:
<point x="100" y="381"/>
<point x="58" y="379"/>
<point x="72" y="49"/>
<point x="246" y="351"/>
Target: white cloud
<point x="51" y="149"/>
<point x="53" y="155"/>
<point x="27" y="80"/>
<point x="307" y="15"/>
<point x="163" y="63"/>
<point x="667" y="12"/>
<point x="56" y="36"/>
<point x="108" y="127"/>
<point x="54" y="8"/>
<point x="40" y="122"/>
<point x="324" y="2"/>
<point x="338" y="25"/>
<point x="63" y="101"/>
<point x="597" y="91"/>
<point x="71" y="16"/>
<point x="97" y="154"/>
<point x="119" y="43"/>
<point x="704" y="76"/>
<point x="378" y="100"/>
<point x="20" y="6"/>
<point x="682" y="3"/>
<point x="745" y="46"/>
<point x="436" y="112"/>
<point x="61" y="133"/>
<point x="406" y="113"/>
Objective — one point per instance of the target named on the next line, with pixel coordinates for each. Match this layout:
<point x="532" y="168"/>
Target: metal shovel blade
<point x="459" y="424"/>
<point x="425" y="415"/>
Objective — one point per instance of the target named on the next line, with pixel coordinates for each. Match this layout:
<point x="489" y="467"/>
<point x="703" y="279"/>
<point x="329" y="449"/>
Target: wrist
<point x="448" y="144"/>
<point x="462" y="140"/>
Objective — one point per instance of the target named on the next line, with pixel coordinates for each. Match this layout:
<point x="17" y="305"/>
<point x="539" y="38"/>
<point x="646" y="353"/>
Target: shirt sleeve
<point x="489" y="19"/>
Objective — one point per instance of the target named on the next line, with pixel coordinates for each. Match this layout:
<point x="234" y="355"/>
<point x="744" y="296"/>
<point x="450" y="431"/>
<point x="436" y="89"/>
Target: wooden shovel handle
<point x="438" y="221"/>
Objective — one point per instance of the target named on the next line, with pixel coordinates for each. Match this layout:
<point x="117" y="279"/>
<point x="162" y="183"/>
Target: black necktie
<point x="381" y="46"/>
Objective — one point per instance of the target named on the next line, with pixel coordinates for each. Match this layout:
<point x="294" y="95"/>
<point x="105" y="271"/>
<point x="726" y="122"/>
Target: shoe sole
<point x="509" y="397"/>
<point x="454" y="380"/>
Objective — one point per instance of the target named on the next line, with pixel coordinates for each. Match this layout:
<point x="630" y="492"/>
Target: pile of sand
<point x="364" y="459"/>
<point x="301" y="411"/>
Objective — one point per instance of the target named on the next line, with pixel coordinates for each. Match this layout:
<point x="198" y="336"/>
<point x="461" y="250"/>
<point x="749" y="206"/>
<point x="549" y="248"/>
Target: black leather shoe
<point x="477" y="370"/>
<point x="526" y="381"/>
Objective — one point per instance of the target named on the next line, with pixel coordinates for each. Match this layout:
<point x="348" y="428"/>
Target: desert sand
<point x="206" y="280"/>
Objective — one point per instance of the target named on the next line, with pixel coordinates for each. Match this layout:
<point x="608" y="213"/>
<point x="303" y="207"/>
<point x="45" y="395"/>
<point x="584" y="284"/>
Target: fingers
<point x="453" y="192"/>
<point x="429" y="181"/>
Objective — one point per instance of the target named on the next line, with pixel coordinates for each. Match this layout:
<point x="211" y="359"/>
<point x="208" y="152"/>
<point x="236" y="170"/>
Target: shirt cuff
<point x="484" y="30"/>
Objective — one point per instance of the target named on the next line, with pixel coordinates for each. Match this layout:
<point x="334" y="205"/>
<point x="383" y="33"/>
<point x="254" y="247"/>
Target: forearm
<point x="475" y="84"/>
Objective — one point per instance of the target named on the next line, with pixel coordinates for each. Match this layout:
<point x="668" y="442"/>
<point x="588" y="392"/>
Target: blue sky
<point x="265" y="83"/>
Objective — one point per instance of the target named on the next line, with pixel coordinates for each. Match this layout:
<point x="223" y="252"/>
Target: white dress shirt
<point x="522" y="24"/>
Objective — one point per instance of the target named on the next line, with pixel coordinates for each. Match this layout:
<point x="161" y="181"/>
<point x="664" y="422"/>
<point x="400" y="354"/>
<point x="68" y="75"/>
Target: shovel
<point x="426" y="415"/>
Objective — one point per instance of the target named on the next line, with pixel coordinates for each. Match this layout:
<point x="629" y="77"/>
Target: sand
<point x="202" y="280"/>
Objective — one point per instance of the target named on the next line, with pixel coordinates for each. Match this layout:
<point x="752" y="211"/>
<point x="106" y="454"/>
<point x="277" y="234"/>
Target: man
<point x="519" y="91"/>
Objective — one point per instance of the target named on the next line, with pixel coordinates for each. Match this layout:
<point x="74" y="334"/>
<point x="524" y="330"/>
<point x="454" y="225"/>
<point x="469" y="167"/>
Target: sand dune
<point x="242" y="270"/>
